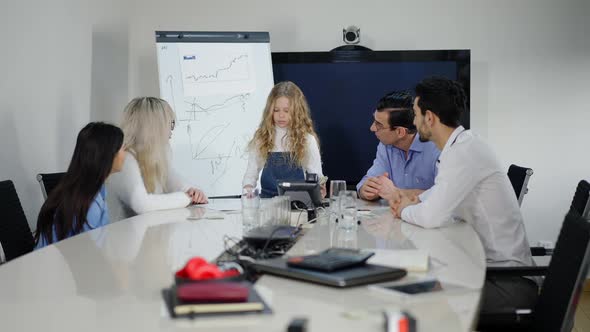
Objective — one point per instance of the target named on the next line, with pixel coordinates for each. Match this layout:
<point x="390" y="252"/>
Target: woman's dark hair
<point x="443" y="97"/>
<point x="67" y="205"/>
<point x="402" y="114"/>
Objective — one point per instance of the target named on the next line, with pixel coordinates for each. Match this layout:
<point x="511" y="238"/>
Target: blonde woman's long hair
<point x="147" y="124"/>
<point x="300" y="123"/>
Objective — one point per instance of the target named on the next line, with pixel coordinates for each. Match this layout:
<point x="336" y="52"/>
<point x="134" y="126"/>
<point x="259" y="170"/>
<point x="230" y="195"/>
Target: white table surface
<point x="110" y="279"/>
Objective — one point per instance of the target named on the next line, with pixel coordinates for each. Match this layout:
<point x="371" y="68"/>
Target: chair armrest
<point x="516" y="271"/>
<point x="505" y="319"/>
<point x="541" y="251"/>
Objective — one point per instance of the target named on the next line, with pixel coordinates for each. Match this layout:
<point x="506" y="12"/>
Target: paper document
<point x="411" y="260"/>
<point x="224" y="204"/>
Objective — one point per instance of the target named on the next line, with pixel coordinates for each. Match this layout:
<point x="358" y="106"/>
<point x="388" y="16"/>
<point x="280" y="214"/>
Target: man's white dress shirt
<point x="472" y="187"/>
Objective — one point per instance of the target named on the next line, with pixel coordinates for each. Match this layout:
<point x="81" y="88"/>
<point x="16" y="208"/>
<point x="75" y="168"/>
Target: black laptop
<point x="354" y="276"/>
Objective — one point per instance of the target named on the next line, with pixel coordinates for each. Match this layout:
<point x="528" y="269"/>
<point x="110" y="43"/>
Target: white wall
<point x="530" y="68"/>
<point x="530" y="72"/>
<point x="63" y="63"/>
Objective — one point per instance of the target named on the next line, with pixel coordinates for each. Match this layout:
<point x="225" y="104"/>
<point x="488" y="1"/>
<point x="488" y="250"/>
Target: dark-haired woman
<point x="78" y="203"/>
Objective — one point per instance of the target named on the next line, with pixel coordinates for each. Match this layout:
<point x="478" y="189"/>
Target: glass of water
<point x="346" y="239"/>
<point x="348" y="210"/>
<point x="285" y="203"/>
<point x="282" y="209"/>
<point x="336" y="187"/>
<point x="265" y="212"/>
<point x="250" y="206"/>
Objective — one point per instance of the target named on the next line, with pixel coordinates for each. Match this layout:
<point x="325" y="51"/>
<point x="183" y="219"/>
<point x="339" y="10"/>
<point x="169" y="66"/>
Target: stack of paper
<point x="413" y="260"/>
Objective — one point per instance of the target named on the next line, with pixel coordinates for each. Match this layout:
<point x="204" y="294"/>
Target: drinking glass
<point x="282" y="209"/>
<point x="348" y="210"/>
<point x="265" y="213"/>
<point x="250" y="206"/>
<point x="346" y="239"/>
<point x="336" y="187"/>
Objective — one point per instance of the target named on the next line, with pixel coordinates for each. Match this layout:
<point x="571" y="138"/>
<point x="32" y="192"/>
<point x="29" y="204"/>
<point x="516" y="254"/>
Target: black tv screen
<point x="343" y="87"/>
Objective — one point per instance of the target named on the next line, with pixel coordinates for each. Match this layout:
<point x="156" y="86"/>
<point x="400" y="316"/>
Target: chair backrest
<point x="581" y="201"/>
<point x="48" y="182"/>
<point x="519" y="177"/>
<point x="2" y="257"/>
<point x="556" y="307"/>
<point x="15" y="234"/>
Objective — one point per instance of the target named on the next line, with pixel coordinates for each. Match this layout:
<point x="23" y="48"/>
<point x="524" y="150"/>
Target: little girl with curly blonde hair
<point x="285" y="145"/>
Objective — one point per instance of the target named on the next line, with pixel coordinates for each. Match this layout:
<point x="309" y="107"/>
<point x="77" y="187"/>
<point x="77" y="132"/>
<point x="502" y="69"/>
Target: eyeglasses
<point x="379" y="126"/>
<point x="173" y="125"/>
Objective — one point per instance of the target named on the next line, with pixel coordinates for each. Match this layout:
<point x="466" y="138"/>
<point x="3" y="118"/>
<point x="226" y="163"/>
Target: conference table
<point x="111" y="278"/>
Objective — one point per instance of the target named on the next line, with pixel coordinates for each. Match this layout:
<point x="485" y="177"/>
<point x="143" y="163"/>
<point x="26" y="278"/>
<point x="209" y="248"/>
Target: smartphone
<point x="418" y="286"/>
<point x="425" y="286"/>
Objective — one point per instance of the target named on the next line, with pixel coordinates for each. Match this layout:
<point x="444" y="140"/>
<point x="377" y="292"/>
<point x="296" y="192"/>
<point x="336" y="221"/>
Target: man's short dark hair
<point x="402" y="116"/>
<point x="443" y="97"/>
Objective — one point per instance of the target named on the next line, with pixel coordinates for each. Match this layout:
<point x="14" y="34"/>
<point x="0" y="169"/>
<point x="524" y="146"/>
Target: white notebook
<point x="413" y="260"/>
<point x="224" y="204"/>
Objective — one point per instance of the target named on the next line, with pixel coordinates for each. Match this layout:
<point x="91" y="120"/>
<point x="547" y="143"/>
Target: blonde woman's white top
<point x="128" y="196"/>
<point x="312" y="163"/>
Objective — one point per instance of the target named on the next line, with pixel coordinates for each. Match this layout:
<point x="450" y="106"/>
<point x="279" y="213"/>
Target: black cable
<point x="269" y="238"/>
<point x="263" y="251"/>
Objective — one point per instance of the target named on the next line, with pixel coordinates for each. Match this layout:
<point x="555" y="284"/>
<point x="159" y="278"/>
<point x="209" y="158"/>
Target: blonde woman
<point x="147" y="182"/>
<point x="285" y="144"/>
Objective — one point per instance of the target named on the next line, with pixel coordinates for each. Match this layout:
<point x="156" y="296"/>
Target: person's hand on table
<point x="197" y="196"/>
<point x="323" y="190"/>
<point x="387" y="189"/>
<point x="370" y="189"/>
<point x="400" y="201"/>
<point x="248" y="190"/>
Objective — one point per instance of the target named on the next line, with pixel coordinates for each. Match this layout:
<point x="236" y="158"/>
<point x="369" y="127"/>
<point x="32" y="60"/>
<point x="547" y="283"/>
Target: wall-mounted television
<point x="343" y="87"/>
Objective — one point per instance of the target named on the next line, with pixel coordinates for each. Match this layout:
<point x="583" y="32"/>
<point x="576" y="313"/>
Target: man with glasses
<point x="402" y="161"/>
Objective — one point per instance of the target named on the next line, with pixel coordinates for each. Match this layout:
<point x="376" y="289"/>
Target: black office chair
<point x="48" y="182"/>
<point x="15" y="234"/>
<point x="519" y="177"/>
<point x="581" y="201"/>
<point x="564" y="278"/>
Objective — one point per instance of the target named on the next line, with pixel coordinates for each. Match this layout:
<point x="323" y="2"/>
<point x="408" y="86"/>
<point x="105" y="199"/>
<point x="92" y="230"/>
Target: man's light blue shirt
<point x="97" y="216"/>
<point x="416" y="172"/>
